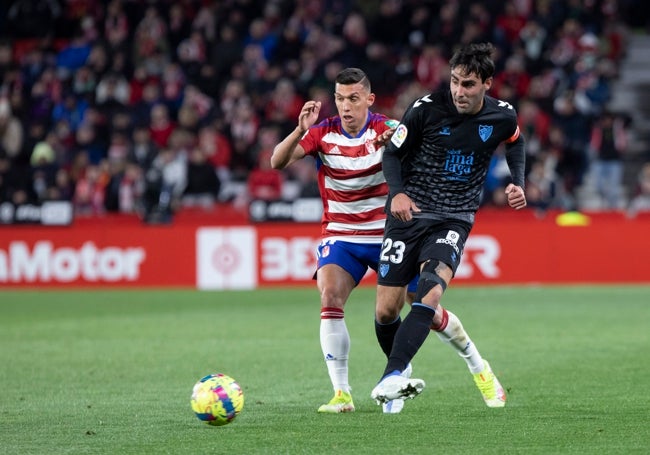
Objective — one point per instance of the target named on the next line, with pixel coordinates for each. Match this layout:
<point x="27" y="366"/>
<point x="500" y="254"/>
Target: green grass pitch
<point x="111" y="372"/>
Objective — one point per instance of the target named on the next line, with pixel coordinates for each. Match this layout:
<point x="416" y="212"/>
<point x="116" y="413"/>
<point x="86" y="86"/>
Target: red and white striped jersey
<point x="350" y="178"/>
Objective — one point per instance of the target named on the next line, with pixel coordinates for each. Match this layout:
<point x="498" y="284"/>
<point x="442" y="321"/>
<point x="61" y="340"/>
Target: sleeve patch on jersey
<point x="391" y="123"/>
<point x="399" y="136"/>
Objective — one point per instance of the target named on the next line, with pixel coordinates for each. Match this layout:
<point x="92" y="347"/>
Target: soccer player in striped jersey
<point x="348" y="152"/>
<point x="435" y="166"/>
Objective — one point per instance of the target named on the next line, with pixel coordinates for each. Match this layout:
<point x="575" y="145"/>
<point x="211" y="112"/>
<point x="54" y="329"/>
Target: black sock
<point x="409" y="337"/>
<point x="386" y="334"/>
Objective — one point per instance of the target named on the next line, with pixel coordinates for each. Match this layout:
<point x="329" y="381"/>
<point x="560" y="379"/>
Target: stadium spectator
<point x="608" y="147"/>
<point x="284" y="104"/>
<point x="226" y="51"/>
<point x="112" y="92"/>
<point x="88" y="198"/>
<point x="131" y="190"/>
<point x="89" y="141"/>
<point x="63" y="188"/>
<point x="541" y="186"/>
<point x="575" y="126"/>
<point x="71" y="109"/>
<point x="179" y="25"/>
<point x="11" y="130"/>
<point x="192" y="56"/>
<point x="116" y="25"/>
<point x="263" y="181"/>
<point x="535" y="125"/>
<point x="430" y="67"/>
<point x="640" y="202"/>
<point x="216" y="147"/>
<point x="243" y="133"/>
<point x="142" y="150"/>
<point x="162" y="125"/>
<point x="165" y="182"/>
<point x="150" y="40"/>
<point x="508" y="26"/>
<point x="203" y="182"/>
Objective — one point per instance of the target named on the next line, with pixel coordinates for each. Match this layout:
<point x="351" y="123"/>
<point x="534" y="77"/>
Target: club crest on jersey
<point x="445" y="131"/>
<point x="485" y="131"/>
<point x="325" y="251"/>
<point x="399" y="136"/>
<point x="370" y="146"/>
<point x="383" y="269"/>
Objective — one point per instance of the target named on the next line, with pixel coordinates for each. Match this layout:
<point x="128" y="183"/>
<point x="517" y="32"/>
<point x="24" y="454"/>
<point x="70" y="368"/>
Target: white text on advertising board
<point x="293" y="258"/>
<point x="44" y="263"/>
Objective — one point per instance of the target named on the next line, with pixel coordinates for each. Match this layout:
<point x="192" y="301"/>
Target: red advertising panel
<point x="502" y="249"/>
<point x="97" y="255"/>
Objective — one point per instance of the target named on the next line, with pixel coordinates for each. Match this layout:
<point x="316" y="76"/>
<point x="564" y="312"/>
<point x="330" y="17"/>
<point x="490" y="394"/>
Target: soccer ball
<point x="217" y="399"/>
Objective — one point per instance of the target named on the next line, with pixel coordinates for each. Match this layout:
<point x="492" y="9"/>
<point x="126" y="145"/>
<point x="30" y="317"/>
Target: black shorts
<point x="408" y="244"/>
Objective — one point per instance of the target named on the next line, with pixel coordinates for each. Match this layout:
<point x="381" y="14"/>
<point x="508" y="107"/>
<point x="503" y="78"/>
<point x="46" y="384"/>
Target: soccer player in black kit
<point x="435" y="166"/>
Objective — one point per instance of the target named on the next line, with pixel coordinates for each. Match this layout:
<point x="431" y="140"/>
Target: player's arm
<point x="289" y="150"/>
<point x="516" y="159"/>
<point x="392" y="167"/>
<point x="400" y="205"/>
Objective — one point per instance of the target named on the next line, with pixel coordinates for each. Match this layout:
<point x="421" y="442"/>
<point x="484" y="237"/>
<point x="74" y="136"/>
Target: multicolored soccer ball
<point x="217" y="399"/>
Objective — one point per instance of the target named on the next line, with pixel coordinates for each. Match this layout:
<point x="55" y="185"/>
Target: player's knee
<point x="430" y="285"/>
<point x="332" y="298"/>
<point x="387" y="312"/>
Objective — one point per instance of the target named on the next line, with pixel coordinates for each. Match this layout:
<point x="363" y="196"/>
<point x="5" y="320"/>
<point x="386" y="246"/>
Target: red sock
<point x="331" y="313"/>
<point x="443" y="323"/>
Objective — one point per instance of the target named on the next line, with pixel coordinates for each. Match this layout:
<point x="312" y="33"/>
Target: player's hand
<point x="516" y="196"/>
<point x="383" y="138"/>
<point x="402" y="207"/>
<point x="308" y="115"/>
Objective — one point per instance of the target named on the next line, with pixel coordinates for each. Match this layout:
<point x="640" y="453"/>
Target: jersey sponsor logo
<point x="445" y="131"/>
<point x="451" y="243"/>
<point x="399" y="136"/>
<point x="453" y="236"/>
<point x="458" y="165"/>
<point x="485" y="131"/>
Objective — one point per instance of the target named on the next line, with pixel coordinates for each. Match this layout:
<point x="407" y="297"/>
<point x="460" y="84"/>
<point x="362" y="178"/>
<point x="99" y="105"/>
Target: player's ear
<point x="488" y="83"/>
<point x="371" y="99"/>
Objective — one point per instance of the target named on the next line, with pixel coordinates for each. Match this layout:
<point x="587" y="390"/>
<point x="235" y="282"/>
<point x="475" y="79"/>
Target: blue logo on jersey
<point x="445" y="131"/>
<point x="383" y="269"/>
<point x="485" y="131"/>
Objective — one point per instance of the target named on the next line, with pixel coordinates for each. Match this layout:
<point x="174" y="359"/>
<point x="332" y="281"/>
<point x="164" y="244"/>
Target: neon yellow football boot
<point x="342" y="402"/>
<point x="490" y="387"/>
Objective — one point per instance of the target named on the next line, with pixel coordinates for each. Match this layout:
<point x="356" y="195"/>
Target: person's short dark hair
<point x="350" y="76"/>
<point x="475" y="58"/>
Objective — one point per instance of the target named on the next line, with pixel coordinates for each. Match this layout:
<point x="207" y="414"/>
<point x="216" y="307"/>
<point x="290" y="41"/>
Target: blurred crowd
<point x="140" y="106"/>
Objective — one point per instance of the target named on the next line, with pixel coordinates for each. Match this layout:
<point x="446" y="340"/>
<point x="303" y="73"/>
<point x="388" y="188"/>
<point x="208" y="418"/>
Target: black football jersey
<point x="444" y="156"/>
